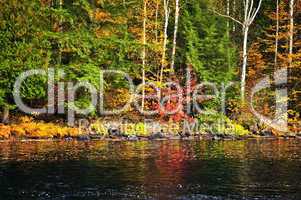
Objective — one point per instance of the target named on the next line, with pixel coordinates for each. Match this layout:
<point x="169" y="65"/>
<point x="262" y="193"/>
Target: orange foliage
<point x="4" y="131"/>
<point x="117" y="98"/>
<point x="102" y="16"/>
<point x="27" y="128"/>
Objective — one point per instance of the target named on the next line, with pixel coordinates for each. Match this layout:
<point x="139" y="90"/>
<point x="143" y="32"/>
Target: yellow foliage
<point x="139" y="129"/>
<point x="119" y="99"/>
<point x="99" y="128"/>
<point x="4" y="131"/>
<point x="18" y="131"/>
<point x="25" y="119"/>
<point x="27" y="128"/>
<point x="128" y="129"/>
<point x="102" y="16"/>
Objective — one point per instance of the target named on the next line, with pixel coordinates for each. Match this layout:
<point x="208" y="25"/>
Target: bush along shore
<point x="26" y="128"/>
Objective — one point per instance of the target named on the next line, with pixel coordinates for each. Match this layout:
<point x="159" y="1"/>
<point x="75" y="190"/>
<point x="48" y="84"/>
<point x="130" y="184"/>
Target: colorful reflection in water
<point x="251" y="169"/>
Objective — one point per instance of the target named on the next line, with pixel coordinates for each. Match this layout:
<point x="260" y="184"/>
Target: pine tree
<point x="207" y="45"/>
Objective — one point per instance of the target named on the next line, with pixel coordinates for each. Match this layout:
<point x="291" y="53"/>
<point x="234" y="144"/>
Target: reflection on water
<point x="252" y="169"/>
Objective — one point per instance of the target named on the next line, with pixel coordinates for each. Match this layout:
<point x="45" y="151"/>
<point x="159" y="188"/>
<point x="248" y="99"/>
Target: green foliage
<point x="99" y="128"/>
<point x="62" y="37"/>
<point x="22" y="47"/>
<point x="207" y="45"/>
<point x="2" y="97"/>
<point x="218" y="123"/>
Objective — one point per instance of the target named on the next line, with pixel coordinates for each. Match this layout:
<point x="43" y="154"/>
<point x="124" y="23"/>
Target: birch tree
<point x="291" y="39"/>
<point x="61" y="3"/>
<point x="234" y="11"/>
<point x="228" y="14"/>
<point x="250" y="13"/>
<point x="177" y="9"/>
<point x="156" y="20"/>
<point x="228" y="32"/>
<point x="144" y="53"/>
<point x="166" y="18"/>
<point x="277" y="33"/>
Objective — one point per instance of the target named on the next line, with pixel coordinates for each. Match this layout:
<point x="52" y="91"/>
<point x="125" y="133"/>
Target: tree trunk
<point x="291" y="40"/>
<point x="166" y="11"/>
<point x="60" y="30"/>
<point x="234" y="11"/>
<point x="228" y="34"/>
<point x="175" y="37"/>
<point x="144" y="53"/>
<point x="5" y="116"/>
<point x="245" y="62"/>
<point x="277" y="33"/>
<point x="249" y="16"/>
<point x="228" y="14"/>
<point x="156" y="22"/>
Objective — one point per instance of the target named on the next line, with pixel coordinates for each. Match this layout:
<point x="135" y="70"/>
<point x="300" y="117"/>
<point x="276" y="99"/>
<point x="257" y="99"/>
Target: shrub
<point x="217" y="123"/>
<point x="27" y="128"/>
<point x="139" y="129"/>
<point x="99" y="128"/>
<point x="4" y="132"/>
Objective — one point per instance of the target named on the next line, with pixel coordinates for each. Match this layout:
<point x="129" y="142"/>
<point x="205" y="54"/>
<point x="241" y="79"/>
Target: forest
<point x="208" y="60"/>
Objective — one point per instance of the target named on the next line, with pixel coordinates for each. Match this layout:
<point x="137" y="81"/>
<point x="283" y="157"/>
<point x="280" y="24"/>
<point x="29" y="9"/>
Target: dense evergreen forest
<point x="229" y="45"/>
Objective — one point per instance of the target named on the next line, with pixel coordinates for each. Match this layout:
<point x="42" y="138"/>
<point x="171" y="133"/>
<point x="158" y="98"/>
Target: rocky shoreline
<point x="155" y="137"/>
<point x="30" y="130"/>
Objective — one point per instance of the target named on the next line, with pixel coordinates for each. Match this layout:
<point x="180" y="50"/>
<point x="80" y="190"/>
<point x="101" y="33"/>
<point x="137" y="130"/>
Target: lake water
<point x="250" y="169"/>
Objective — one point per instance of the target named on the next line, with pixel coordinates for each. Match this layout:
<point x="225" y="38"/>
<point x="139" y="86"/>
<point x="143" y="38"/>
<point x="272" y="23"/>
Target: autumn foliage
<point x="27" y="128"/>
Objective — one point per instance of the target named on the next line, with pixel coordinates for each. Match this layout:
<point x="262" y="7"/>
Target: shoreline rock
<point x="155" y="137"/>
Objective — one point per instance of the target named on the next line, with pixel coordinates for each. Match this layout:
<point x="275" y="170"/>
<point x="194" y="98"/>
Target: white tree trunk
<point x="175" y="36"/>
<point x="156" y="22"/>
<point x="61" y="21"/>
<point x="228" y="14"/>
<point x="249" y="16"/>
<point x="245" y="62"/>
<point x="60" y="30"/>
<point x="245" y="49"/>
<point x="291" y="42"/>
<point x="277" y="33"/>
<point x="228" y="34"/>
<point x="166" y="14"/>
<point x="234" y="11"/>
<point x="144" y="53"/>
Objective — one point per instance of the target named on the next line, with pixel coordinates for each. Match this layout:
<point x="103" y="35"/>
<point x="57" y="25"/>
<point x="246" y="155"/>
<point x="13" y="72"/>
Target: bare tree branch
<point x="257" y="10"/>
<point x="250" y="9"/>
<point x="227" y="16"/>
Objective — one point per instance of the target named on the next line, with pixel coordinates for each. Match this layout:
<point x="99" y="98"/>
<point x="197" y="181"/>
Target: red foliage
<point x="177" y="100"/>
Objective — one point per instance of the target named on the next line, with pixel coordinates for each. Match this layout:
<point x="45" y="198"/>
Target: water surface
<point x="251" y="169"/>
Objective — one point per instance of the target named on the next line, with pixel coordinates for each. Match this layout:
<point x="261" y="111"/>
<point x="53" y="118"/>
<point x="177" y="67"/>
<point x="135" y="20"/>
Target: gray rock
<point x="114" y="132"/>
<point x="158" y="135"/>
<point x="184" y="135"/>
<point x="83" y="138"/>
<point x="266" y="133"/>
<point x="68" y="139"/>
<point x="216" y="137"/>
<point x="133" y="138"/>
